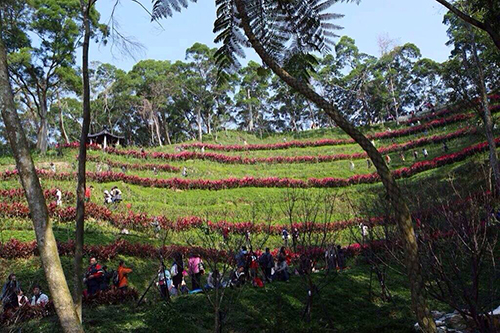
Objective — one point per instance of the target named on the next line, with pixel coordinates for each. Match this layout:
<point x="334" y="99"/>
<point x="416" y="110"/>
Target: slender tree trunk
<point x="61" y="123"/>
<point x="157" y="130"/>
<point x="486" y="115"/>
<point x="42" y="137"/>
<point x="85" y="6"/>
<point x="393" y="93"/>
<point x="250" y="112"/>
<point x="34" y="195"/>
<point x="403" y="216"/>
<point x="167" y="132"/>
<point x="199" y="124"/>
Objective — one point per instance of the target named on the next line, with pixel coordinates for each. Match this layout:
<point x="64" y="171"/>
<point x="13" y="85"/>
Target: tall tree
<point x="280" y="31"/>
<point x="251" y="98"/>
<point x="489" y="22"/>
<point x="34" y="195"/>
<point x="474" y="50"/>
<point x="89" y="19"/>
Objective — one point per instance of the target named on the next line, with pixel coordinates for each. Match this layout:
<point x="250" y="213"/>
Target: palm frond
<point x="166" y="8"/>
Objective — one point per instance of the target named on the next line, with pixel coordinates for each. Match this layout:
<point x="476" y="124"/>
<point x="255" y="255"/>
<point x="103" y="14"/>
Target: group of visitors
<point x="112" y="196"/>
<point x="13" y="297"/>
<point x="173" y="280"/>
<point x="99" y="278"/>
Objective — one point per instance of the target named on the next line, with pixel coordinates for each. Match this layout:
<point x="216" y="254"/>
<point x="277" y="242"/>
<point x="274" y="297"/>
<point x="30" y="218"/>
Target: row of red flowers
<point x="235" y="159"/>
<point x="142" y="220"/>
<point x="14" y="249"/>
<point x="330" y="142"/>
<point x="49" y="194"/>
<point x="134" y="166"/>
<point x="228" y="183"/>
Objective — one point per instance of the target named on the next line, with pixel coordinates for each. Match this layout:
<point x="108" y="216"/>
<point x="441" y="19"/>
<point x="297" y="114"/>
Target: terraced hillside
<point x="242" y="184"/>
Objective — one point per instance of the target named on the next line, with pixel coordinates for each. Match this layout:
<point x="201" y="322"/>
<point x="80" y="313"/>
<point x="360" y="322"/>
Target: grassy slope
<point x="343" y="306"/>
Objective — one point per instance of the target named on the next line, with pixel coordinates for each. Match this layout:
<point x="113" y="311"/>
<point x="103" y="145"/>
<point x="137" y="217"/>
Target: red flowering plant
<point x="329" y="142"/>
<point x="236" y="159"/>
<point x="205" y="184"/>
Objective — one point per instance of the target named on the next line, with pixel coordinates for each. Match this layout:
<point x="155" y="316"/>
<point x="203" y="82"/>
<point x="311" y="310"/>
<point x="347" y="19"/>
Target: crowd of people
<point x="13" y="297"/>
<point x="251" y="268"/>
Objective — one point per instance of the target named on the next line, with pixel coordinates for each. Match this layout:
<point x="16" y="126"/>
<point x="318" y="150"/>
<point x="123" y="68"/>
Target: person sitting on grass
<point x="237" y="278"/>
<point x="116" y="194"/>
<point x="107" y="197"/>
<point x="123" y="272"/>
<point x="21" y="298"/>
<point x="93" y="277"/>
<point x="39" y="298"/>
<point x="214" y="280"/>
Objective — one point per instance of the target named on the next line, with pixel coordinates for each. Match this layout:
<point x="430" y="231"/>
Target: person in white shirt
<point x="39" y="298"/>
<point x="58" y="197"/>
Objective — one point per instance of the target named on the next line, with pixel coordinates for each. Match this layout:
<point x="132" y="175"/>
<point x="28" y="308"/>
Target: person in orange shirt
<point x="122" y="276"/>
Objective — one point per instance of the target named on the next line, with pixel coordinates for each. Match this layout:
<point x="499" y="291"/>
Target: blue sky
<point x="415" y="21"/>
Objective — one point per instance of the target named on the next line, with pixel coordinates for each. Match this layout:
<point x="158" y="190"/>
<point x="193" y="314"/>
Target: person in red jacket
<point x="88" y="193"/>
<point x="122" y="276"/>
<point x="93" y="276"/>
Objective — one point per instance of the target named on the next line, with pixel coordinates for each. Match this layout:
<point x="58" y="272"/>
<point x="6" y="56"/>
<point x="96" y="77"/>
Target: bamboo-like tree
<point x="284" y="34"/>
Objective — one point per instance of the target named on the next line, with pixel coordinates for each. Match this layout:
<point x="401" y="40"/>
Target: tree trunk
<point x="199" y="124"/>
<point x="85" y="6"/>
<point x="61" y="125"/>
<point x="157" y="130"/>
<point x="486" y="115"/>
<point x="250" y="112"/>
<point x="403" y="216"/>
<point x="42" y="137"/>
<point x="393" y="93"/>
<point x="167" y="132"/>
<point x="34" y="195"/>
